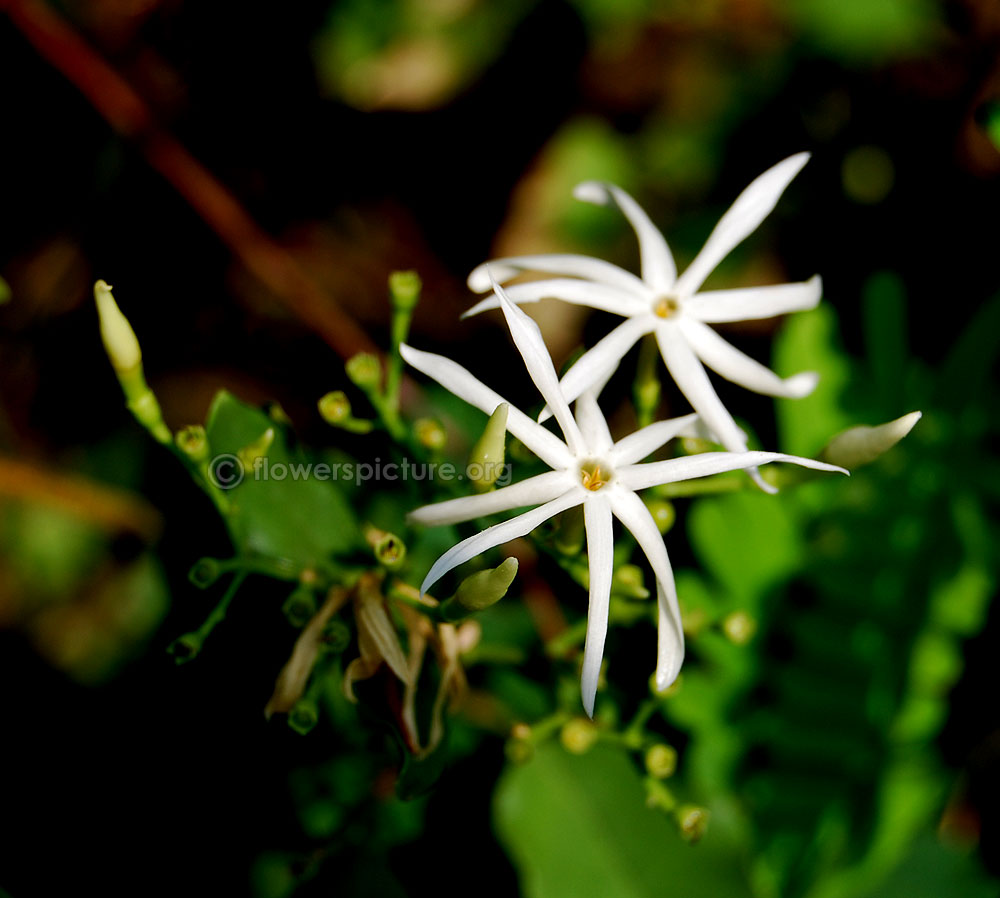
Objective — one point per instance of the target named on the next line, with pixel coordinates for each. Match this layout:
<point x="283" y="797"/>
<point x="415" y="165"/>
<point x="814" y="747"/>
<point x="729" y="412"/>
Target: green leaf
<point x="303" y="519"/>
<point x="578" y="825"/>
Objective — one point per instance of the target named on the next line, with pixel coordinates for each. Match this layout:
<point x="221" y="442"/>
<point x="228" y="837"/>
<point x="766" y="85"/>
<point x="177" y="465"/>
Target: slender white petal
<point x="742" y="219"/>
<point x="630" y="510"/>
<point x="637" y="477"/>
<point x="533" y="491"/>
<point x="738" y="367"/>
<point x="593" y="424"/>
<point x="690" y="376"/>
<point x="636" y="446"/>
<point x="582" y="293"/>
<point x="554" y="263"/>
<point x="600" y="556"/>
<point x="545" y="444"/>
<point x="602" y="359"/>
<point x="497" y="535"/>
<point x="749" y="303"/>
<point x="658" y="268"/>
<point x="528" y="340"/>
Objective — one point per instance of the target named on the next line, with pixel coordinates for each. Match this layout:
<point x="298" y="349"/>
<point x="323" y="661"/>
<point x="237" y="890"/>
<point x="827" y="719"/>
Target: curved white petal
<point x="533" y="491"/>
<point x="658" y="268"/>
<point x="687" y="371"/>
<point x="555" y="263"/>
<point x="602" y="360"/>
<point x="630" y="510"/>
<point x="600" y="557"/>
<point x="724" y="358"/>
<point x="742" y="219"/>
<point x="453" y="377"/>
<point x="637" y="477"/>
<point x="593" y="424"/>
<point x="528" y="340"/>
<point x="636" y="446"/>
<point x="606" y="297"/>
<point x="750" y="303"/>
<point x="497" y="535"/>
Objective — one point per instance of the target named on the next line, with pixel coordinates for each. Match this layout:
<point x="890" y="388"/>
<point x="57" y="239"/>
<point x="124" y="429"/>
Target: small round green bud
<point x="693" y="822"/>
<point x="629" y="581"/>
<point x="336" y="636"/>
<point x="430" y="433"/>
<point x="480" y="590"/>
<point x="390" y="551"/>
<point x="739" y="627"/>
<point x="364" y="370"/>
<point x="694" y="621"/>
<point x="193" y="442"/>
<point x="578" y="735"/>
<point x="185" y="648"/>
<point x="303" y="716"/>
<point x="663" y="513"/>
<point x="276" y="413"/>
<point x="661" y="760"/>
<point x="404" y="288"/>
<point x="205" y="571"/>
<point x="299" y="607"/>
<point x="335" y="407"/>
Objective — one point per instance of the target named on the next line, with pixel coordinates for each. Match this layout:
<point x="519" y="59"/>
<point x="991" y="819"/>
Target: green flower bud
<point x="335" y="407"/>
<point x="663" y="513"/>
<point x="862" y="445"/>
<point x="404" y="288"/>
<point x="336" y="636"/>
<point x="661" y="760"/>
<point x="430" y="433"/>
<point x="119" y="339"/>
<point x="304" y="715"/>
<point x="739" y="627"/>
<point x="628" y="581"/>
<point x="193" y="442"/>
<point x="578" y="735"/>
<point x="299" y="607"/>
<point x="276" y="413"/>
<point x="693" y="822"/>
<point x="205" y="571"/>
<point x="364" y="371"/>
<point x="480" y="590"/>
<point x="185" y="648"/>
<point x="390" y="551"/>
<point x="487" y="455"/>
<point x="518" y="751"/>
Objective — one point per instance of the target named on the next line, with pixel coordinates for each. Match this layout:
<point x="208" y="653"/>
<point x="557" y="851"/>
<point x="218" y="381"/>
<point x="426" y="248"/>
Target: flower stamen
<point x="592" y="477"/>
<point x="666" y="307"/>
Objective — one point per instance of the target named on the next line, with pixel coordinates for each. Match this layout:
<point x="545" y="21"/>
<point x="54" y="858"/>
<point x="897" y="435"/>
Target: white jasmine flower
<point x="588" y="469"/>
<point x="671" y="307"/>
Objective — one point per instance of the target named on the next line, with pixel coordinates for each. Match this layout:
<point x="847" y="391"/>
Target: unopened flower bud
<point x="299" y="607"/>
<point x="430" y="433"/>
<point x="365" y="371"/>
<point x="739" y="627"/>
<point x="578" y="735"/>
<point x="336" y="636"/>
<point x="692" y="821"/>
<point x="661" y="760"/>
<point x="480" y="590"/>
<point x="404" y="288"/>
<point x="304" y="715"/>
<point x="487" y="456"/>
<point x="205" y="571"/>
<point x="119" y="339"/>
<point x="663" y="513"/>
<point x="518" y="751"/>
<point x="390" y="551"/>
<point x="185" y="648"/>
<point x="628" y="581"/>
<point x="862" y="445"/>
<point x="335" y="407"/>
<point x="694" y="621"/>
<point x="193" y="442"/>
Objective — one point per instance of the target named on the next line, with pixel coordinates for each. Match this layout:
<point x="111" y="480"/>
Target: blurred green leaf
<point x="578" y="825"/>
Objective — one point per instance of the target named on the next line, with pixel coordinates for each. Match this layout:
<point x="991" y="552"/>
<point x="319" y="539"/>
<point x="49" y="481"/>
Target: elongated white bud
<point x="119" y="339"/>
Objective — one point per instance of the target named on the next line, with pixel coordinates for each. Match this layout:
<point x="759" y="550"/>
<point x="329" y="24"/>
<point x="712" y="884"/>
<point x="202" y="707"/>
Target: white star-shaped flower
<point x="671" y="307"/>
<point x="588" y="469"/>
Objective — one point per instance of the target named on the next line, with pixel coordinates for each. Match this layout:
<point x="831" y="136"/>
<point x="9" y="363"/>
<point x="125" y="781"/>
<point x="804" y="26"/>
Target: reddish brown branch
<point x="129" y="115"/>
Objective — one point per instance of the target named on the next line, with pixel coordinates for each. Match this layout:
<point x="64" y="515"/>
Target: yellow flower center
<point x="666" y="307"/>
<point x="594" y="476"/>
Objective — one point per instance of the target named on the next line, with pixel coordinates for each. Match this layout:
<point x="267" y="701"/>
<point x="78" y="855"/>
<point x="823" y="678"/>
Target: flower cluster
<point x="589" y="467"/>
